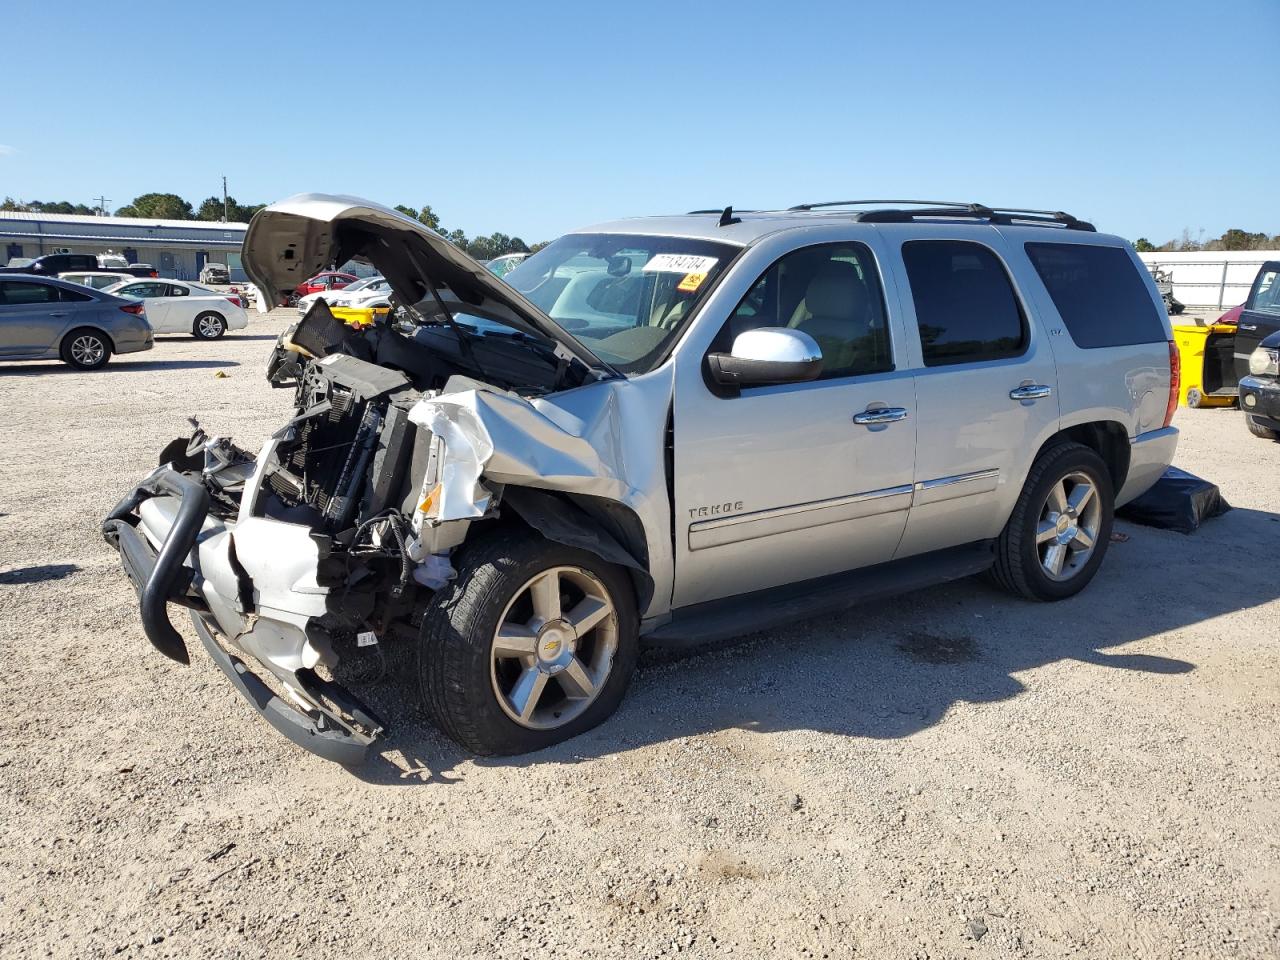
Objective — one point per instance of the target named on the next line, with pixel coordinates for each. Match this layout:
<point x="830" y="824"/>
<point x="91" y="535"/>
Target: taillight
<point x="1175" y="382"/>
<point x="134" y="308"/>
<point x="236" y="301"/>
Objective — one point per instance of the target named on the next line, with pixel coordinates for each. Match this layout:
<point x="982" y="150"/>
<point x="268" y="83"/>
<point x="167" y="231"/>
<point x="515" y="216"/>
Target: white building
<point x="176" y="248"/>
<point x="1211" y="278"/>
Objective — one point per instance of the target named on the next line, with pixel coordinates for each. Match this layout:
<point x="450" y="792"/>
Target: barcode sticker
<point x="366" y="638"/>
<point x="679" y="263"/>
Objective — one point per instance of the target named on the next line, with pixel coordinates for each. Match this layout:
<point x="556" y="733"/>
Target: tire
<point x="1194" y="398"/>
<point x="473" y="689"/>
<point x="1258" y="430"/>
<point x="85" y="349"/>
<point x="1023" y="563"/>
<point x="208" y="326"/>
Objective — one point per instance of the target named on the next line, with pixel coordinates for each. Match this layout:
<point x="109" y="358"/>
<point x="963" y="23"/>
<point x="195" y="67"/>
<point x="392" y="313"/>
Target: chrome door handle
<point x="868" y="418"/>
<point x="1030" y="391"/>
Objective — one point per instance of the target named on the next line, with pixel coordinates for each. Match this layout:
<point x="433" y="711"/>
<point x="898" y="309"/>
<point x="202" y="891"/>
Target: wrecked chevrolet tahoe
<point x="677" y="428"/>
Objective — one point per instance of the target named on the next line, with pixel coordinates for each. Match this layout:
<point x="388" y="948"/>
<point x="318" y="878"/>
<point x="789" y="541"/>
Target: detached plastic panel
<point x="1178" y="501"/>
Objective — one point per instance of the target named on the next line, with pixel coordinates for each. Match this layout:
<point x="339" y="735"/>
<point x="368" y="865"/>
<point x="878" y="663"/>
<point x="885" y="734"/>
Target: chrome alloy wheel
<point x="87" y="350"/>
<point x="1068" y="527"/>
<point x="553" y="649"/>
<point x="210" y="327"/>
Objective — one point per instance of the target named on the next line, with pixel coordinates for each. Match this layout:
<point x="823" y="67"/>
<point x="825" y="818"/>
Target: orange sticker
<point x="691" y="282"/>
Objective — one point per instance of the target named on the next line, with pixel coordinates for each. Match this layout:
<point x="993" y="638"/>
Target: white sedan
<point x="179" y="306"/>
<point x="362" y="293"/>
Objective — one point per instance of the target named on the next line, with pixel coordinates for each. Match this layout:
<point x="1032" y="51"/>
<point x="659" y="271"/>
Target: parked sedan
<point x="322" y="283"/>
<point x="370" y="288"/>
<point x="177" y="306"/>
<point x="98" y="279"/>
<point x="215" y="273"/>
<point x="46" y="319"/>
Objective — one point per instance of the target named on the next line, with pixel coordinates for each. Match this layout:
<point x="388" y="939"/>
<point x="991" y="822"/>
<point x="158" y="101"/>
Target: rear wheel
<point x="533" y="643"/>
<point x="1058" y="533"/>
<point x="209" y="326"/>
<point x="86" y="349"/>
<point x="1258" y="430"/>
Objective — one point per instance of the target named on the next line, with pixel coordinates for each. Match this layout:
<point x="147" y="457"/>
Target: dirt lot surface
<point x="952" y="774"/>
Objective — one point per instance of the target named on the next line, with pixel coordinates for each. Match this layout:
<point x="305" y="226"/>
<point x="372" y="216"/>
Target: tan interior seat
<point x="836" y="312"/>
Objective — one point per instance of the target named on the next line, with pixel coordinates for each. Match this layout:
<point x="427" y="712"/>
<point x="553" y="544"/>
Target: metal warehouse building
<point x="176" y="248"/>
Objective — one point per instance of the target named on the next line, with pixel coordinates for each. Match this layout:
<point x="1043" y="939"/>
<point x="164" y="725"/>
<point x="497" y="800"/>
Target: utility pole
<point x="225" y="218"/>
<point x="102" y="205"/>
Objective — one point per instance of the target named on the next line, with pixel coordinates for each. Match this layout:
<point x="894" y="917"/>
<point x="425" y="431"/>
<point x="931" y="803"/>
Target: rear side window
<point x="965" y="305"/>
<point x="72" y="296"/>
<point x="15" y="293"/>
<point x="1099" y="294"/>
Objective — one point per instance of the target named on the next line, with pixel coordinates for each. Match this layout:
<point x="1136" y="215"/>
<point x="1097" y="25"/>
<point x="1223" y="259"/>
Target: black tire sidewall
<point x="454" y="655"/>
<point x="71" y="361"/>
<point x="195" y="325"/>
<point x="1259" y="430"/>
<point x="1066" y="460"/>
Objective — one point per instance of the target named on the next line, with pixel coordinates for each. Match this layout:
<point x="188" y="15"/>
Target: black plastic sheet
<point x="1178" y="501"/>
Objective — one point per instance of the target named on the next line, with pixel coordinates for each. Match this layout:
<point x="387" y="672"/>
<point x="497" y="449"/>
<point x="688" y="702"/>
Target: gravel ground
<point x="952" y="774"/>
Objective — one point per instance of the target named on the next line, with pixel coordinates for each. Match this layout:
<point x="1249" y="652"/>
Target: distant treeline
<point x="170" y="206"/>
<point x="1233" y="239"/>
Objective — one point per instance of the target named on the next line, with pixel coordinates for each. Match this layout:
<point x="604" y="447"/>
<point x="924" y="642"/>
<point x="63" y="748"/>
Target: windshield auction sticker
<point x="679" y="263"/>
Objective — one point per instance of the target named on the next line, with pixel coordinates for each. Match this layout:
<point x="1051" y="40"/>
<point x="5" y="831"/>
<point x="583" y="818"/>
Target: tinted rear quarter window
<point x="965" y="305"/>
<point x="1099" y="294"/>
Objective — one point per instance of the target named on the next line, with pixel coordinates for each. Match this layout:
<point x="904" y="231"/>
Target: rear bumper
<point x="173" y="574"/>
<point x="1260" y="398"/>
<point x="1149" y="456"/>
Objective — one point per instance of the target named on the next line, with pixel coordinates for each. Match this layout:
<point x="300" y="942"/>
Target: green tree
<point x="1143" y="245"/>
<point x="159" y="206"/>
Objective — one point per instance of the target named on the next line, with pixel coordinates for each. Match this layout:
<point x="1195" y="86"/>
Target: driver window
<point x="831" y="292"/>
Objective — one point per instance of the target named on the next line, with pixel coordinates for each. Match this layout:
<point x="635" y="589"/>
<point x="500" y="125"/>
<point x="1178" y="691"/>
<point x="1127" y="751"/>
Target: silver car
<point x="46" y="319"/>
<point x="676" y="429"/>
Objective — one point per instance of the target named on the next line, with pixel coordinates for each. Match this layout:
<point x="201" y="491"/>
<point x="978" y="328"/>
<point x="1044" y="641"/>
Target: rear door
<point x="155" y="293"/>
<point x="1260" y="317"/>
<point x="985" y="379"/>
<point x="32" y="317"/>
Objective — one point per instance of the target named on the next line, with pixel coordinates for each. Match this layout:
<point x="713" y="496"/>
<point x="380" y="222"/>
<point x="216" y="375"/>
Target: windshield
<point x="626" y="297"/>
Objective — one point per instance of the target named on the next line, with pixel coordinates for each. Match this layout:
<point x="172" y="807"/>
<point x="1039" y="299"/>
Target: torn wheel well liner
<point x="600" y="526"/>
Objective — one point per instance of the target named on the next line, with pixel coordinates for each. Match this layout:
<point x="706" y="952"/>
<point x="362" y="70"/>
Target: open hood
<point x="295" y="239"/>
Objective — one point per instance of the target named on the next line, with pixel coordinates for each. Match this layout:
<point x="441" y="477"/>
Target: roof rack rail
<point x="1005" y="216"/>
<point x="867" y="203"/>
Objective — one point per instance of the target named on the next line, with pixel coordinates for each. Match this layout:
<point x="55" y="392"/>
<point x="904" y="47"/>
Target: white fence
<point x="1211" y="278"/>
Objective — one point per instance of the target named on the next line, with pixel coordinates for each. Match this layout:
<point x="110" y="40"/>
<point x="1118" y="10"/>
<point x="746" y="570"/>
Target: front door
<point x="986" y="386"/>
<point x="1260" y="317"/>
<point x="785" y="483"/>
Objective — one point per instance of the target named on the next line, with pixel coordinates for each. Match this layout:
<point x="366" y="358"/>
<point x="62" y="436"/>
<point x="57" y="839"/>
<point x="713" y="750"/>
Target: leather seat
<point x="836" y="312"/>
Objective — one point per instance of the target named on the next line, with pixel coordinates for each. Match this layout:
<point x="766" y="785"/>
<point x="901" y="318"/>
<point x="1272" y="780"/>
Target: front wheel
<point x="209" y="326"/>
<point x="533" y="643"/>
<point x="1058" y="533"/>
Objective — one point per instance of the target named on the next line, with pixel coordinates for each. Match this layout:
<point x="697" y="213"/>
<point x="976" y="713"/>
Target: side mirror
<point x="769" y="355"/>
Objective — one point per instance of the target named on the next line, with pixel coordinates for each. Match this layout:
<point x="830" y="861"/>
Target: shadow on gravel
<point x="893" y="668"/>
<point x="38" y="574"/>
<point x="38" y="368"/>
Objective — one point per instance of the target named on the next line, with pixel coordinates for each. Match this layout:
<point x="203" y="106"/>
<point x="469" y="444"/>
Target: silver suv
<point x="676" y="428"/>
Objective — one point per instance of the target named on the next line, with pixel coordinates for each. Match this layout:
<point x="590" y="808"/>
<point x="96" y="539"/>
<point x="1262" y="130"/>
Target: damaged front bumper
<point x="175" y="552"/>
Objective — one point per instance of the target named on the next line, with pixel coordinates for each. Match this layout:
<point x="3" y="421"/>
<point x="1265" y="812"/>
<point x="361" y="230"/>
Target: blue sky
<point x="533" y="118"/>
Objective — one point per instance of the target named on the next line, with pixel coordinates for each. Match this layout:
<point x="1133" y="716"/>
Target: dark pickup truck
<point x="52" y="264"/>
